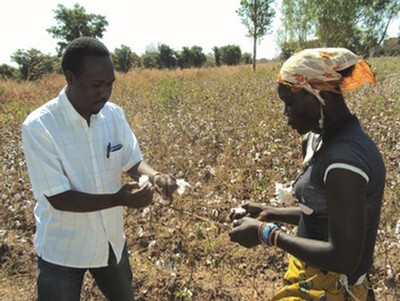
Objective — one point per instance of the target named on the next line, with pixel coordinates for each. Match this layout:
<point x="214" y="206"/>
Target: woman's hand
<point x="249" y="209"/>
<point x="245" y="232"/>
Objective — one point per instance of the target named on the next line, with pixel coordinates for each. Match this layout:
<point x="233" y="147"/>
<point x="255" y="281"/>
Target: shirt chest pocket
<point x="114" y="159"/>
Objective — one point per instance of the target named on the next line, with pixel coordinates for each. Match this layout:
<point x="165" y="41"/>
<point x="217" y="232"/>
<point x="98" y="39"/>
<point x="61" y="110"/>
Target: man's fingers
<point x="166" y="190"/>
<point x="158" y="189"/>
<point x="133" y="185"/>
<point x="173" y="187"/>
<point x="139" y="190"/>
<point x="170" y="189"/>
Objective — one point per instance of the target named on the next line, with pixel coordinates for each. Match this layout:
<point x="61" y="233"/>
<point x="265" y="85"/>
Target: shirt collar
<point x="71" y="114"/>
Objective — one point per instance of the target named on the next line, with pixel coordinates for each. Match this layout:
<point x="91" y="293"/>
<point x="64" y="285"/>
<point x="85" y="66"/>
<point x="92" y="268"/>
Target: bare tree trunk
<point x="374" y="49"/>
<point x="254" y="52"/>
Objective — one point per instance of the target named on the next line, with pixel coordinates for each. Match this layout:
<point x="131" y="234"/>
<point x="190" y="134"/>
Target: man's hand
<point x="134" y="196"/>
<point x="245" y="232"/>
<point x="165" y="185"/>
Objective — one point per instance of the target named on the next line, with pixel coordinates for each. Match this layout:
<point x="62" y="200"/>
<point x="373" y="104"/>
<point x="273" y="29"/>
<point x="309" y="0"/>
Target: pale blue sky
<point x="135" y="23"/>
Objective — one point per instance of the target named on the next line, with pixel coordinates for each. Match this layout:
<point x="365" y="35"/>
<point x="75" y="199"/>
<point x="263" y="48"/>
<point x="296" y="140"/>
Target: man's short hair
<point x="78" y="49"/>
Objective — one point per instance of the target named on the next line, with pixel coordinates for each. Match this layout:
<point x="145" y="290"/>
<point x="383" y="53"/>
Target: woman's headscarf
<point x="317" y="70"/>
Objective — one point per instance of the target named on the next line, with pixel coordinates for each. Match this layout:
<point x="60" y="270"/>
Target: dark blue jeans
<point x="61" y="283"/>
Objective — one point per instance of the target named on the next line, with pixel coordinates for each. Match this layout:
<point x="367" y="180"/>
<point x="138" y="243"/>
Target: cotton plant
<point x="394" y="245"/>
<point x="389" y="271"/>
<point x="181" y="183"/>
<point x="397" y="233"/>
<point x="283" y="195"/>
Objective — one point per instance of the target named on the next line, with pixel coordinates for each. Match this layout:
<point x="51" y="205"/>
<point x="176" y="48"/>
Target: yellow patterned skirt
<point x="304" y="283"/>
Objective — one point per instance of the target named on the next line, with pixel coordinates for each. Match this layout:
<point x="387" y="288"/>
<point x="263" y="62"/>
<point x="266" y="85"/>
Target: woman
<point x="340" y="190"/>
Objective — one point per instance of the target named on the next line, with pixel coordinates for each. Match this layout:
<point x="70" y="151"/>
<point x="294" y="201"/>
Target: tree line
<point x="359" y="25"/>
<point x="33" y="64"/>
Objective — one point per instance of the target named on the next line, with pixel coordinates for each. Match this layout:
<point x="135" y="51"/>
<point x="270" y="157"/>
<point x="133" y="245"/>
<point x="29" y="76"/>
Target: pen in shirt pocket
<point x="114" y="148"/>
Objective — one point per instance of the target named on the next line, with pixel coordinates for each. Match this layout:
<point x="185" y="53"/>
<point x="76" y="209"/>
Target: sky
<point x="138" y="24"/>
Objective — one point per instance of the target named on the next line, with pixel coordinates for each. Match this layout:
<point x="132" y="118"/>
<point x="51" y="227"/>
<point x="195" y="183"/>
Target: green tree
<point x="198" y="58"/>
<point x="334" y="21"/>
<point x="7" y="72"/>
<point x="191" y="57"/>
<point x="359" y="25"/>
<point x="217" y="55"/>
<point x="150" y="59"/>
<point x="210" y="60"/>
<point x="124" y="59"/>
<point x="246" y="58"/>
<point x="74" y="23"/>
<point x="230" y="55"/>
<point x="375" y="22"/>
<point x="390" y="47"/>
<point x="297" y="26"/>
<point x="166" y="57"/>
<point x="257" y="16"/>
<point x="33" y="64"/>
<point x="184" y="58"/>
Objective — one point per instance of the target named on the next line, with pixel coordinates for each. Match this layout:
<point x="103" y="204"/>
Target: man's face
<point x="90" y="90"/>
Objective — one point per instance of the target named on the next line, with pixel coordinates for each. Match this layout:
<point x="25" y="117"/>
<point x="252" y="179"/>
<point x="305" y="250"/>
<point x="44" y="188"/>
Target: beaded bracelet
<point x="272" y="236"/>
<point x="260" y="228"/>
<point x="265" y="232"/>
<point x="276" y="237"/>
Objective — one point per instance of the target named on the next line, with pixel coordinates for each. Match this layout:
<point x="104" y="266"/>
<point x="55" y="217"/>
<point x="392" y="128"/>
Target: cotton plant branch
<point x="182" y="185"/>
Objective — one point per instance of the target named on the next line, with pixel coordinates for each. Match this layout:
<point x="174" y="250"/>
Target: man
<point x="76" y="147"/>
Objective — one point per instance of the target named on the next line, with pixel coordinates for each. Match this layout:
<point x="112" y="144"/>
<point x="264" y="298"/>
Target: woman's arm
<point x="347" y="215"/>
<point x="289" y="215"/>
<point x="347" y="219"/>
<point x="262" y="212"/>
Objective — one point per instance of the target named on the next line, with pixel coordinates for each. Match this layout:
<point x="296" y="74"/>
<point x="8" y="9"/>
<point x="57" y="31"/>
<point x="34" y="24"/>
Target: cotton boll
<point x="144" y="180"/>
<point x="283" y="195"/>
<point x="165" y="201"/>
<point x="182" y="184"/>
<point x="140" y="232"/>
<point x="145" y="212"/>
<point x="398" y="230"/>
<point x="389" y="271"/>
<point x="236" y="213"/>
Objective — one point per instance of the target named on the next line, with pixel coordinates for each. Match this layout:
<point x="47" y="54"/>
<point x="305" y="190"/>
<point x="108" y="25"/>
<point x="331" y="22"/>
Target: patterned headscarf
<point x="316" y="70"/>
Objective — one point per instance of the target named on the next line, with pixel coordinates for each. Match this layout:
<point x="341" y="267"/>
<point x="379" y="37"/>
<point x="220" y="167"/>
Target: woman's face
<point x="301" y="108"/>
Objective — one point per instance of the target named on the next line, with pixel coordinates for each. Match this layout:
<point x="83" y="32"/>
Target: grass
<point x="222" y="129"/>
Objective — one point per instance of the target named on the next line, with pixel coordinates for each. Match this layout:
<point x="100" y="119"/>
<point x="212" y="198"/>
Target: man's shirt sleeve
<point x="132" y="153"/>
<point x="44" y="166"/>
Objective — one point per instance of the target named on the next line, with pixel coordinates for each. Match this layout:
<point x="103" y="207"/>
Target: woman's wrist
<point x="273" y="237"/>
<point x="265" y="231"/>
<point x="276" y="237"/>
